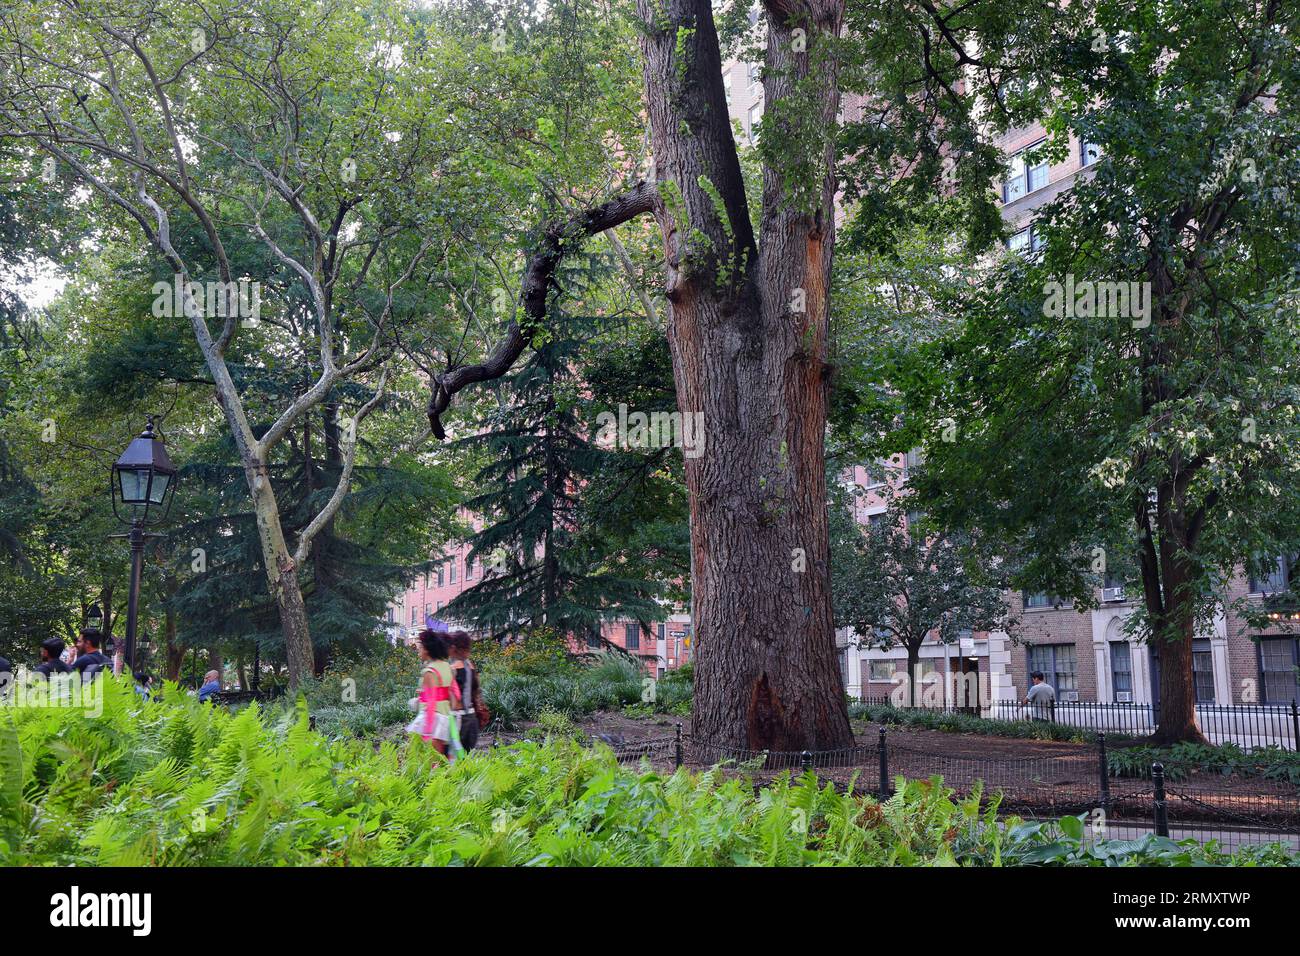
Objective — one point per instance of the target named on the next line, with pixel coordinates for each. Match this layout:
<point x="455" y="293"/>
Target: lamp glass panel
<point x="134" y="485"/>
<point x="159" y="488"/>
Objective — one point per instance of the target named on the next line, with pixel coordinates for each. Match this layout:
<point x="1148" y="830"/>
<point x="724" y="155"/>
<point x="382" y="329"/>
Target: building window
<point x="880" y="670"/>
<point x="1058" y="662"/>
<point x="391" y="616"/>
<point x="428" y="611"/>
<point x="755" y="120"/>
<point x="726" y="85"/>
<point x="415" y="614"/>
<point x="1025" y="177"/>
<point x="1089" y="153"/>
<point x="593" y="638"/>
<point x="1277" y="578"/>
<point x="663" y="631"/>
<point x="632" y="637"/>
<point x="451" y="572"/>
<point x="1121" y="671"/>
<point x="755" y="77"/>
<point x="912" y="461"/>
<point x="440" y="577"/>
<point x="469" y="569"/>
<point x="1203" y="671"/>
<point x="1042" y="599"/>
<point x="1278" y="658"/>
<point x="1025" y="241"/>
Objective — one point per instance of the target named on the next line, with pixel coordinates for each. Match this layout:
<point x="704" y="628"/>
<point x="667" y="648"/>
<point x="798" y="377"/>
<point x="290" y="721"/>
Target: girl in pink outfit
<point x="439" y="694"/>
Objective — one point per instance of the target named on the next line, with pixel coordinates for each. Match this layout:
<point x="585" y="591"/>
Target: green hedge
<point x="379" y="692"/>
<point x="175" y="782"/>
<point x="965" y="723"/>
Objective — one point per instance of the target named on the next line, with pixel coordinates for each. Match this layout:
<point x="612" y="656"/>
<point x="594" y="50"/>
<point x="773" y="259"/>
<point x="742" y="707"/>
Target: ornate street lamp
<point x="143" y="485"/>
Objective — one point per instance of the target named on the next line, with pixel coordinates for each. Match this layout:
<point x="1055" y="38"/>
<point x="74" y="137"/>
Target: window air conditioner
<point x="1123" y="697"/>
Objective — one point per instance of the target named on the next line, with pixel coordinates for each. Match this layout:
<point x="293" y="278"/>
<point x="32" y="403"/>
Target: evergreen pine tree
<point x="542" y="464"/>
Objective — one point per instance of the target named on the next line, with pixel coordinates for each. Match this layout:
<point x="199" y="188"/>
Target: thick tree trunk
<point x="1176" y="720"/>
<point x="748" y="330"/>
<point x="748" y="333"/>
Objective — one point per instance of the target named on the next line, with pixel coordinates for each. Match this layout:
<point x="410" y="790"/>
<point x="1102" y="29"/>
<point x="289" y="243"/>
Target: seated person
<point x="211" y="685"/>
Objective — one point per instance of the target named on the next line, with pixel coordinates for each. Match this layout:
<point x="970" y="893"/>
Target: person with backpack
<point x="473" y="715"/>
<point x="90" y="660"/>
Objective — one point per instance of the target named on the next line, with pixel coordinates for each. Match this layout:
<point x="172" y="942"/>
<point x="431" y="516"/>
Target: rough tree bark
<point x="748" y="331"/>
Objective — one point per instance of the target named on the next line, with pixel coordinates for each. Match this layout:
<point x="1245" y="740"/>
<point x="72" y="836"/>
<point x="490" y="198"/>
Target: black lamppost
<point x="143" y="479"/>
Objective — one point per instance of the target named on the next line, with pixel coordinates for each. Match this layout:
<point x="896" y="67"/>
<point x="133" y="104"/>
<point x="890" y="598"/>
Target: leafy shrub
<point x="175" y="782"/>
<point x="952" y="722"/>
<point x="1182" y="759"/>
<point x="519" y="683"/>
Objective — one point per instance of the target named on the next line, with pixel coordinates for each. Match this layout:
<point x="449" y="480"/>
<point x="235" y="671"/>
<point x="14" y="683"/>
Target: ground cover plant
<point x="1182" y="759"/>
<point x="174" y="782"/>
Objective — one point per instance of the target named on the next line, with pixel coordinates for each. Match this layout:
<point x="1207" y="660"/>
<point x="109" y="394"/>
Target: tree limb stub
<point x="641" y="198"/>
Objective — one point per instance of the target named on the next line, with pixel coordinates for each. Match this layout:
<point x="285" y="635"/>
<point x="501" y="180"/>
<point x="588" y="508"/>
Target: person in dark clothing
<point x="473" y="713"/>
<point x="6" y="676"/>
<point x="90" y="661"/>
<point x="52" y="658"/>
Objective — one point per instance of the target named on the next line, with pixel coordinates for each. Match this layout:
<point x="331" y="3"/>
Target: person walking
<point x="1041" y="698"/>
<point x="473" y="715"/>
<point x="439" y="696"/>
<point x="90" y="660"/>
<point x="52" y="659"/>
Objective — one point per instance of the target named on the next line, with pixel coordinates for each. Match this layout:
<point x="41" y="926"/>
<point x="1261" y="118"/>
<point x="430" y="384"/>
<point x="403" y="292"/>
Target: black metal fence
<point x="1167" y="799"/>
<point x="1246" y="725"/>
